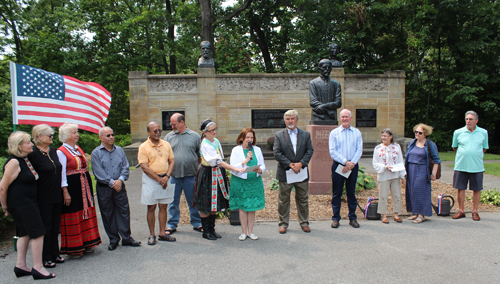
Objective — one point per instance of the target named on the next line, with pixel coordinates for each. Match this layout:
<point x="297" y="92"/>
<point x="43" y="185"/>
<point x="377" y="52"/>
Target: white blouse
<point x="209" y="154"/>
<point x="387" y="156"/>
<point x="238" y="156"/>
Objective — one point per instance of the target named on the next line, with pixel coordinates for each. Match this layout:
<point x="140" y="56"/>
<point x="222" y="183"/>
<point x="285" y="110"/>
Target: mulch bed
<point x="320" y="208"/>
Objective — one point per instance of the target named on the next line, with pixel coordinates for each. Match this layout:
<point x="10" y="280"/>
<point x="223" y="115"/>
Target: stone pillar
<point x="139" y="105"/>
<point x="320" y="175"/>
<point x="207" y="98"/>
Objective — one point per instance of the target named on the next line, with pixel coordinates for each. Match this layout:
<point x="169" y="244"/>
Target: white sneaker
<point x="253" y="237"/>
<point x="242" y="237"/>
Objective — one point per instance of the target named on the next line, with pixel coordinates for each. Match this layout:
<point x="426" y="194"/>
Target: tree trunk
<point x="207" y="30"/>
<point x="259" y="38"/>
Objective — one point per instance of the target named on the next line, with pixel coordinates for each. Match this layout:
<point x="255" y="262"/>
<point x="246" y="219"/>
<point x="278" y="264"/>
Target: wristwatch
<point x="167" y="176"/>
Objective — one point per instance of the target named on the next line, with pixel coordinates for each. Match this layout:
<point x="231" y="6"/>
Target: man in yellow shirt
<point x="157" y="163"/>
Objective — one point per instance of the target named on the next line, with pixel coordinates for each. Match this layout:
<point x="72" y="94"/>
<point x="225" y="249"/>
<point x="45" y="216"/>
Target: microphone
<point x="250" y="148"/>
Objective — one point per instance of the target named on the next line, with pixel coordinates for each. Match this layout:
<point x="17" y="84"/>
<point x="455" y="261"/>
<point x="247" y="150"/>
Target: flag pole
<point x="13" y="88"/>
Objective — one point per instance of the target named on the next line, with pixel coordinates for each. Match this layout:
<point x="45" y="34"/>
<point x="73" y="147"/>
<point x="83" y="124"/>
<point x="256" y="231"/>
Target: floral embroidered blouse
<point x="387" y="156"/>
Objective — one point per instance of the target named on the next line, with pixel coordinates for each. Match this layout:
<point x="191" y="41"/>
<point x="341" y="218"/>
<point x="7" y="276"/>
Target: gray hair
<point x="388" y="131"/>
<point x="350" y="113"/>
<point x="473" y="113"/>
<point x="101" y="131"/>
<point x="291" y="112"/>
<point x="16" y="139"/>
<point x="40" y="130"/>
<point x="65" y="131"/>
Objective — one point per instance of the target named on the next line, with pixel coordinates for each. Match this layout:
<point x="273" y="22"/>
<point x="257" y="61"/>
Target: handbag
<point x="431" y="165"/>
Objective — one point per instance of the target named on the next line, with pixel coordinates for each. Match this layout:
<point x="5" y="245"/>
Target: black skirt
<point x="28" y="221"/>
<point x="202" y="199"/>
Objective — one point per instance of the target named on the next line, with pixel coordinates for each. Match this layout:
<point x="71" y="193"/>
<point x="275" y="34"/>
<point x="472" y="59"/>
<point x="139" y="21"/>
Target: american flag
<point x="41" y="97"/>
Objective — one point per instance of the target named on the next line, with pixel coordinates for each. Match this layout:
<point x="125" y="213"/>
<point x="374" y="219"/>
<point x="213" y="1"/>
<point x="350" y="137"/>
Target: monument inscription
<point x="366" y="118"/>
<point x="268" y="118"/>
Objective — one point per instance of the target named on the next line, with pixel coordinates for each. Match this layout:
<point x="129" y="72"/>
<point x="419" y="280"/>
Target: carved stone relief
<point x="367" y="84"/>
<point x="261" y="84"/>
<point x="172" y="85"/>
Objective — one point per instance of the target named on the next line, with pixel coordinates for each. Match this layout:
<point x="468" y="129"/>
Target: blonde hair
<point x="16" y="139"/>
<point x="41" y="129"/>
<point x="427" y="129"/>
<point x="65" y="131"/>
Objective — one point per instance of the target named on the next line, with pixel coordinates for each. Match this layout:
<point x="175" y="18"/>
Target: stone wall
<point x="229" y="98"/>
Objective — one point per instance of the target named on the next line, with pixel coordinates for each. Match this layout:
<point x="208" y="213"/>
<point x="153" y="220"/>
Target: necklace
<point x="47" y="155"/>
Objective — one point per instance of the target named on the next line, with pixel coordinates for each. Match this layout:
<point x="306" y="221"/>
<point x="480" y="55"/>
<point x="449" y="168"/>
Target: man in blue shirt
<point x="111" y="169"/>
<point x="346" y="147"/>
<point x="470" y="143"/>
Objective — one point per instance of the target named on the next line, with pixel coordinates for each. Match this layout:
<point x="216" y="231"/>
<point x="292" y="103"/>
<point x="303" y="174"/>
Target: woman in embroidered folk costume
<point x="247" y="189"/>
<point x="211" y="187"/>
<point x="418" y="180"/>
<point x="79" y="232"/>
<point x="45" y="161"/>
<point x="385" y="156"/>
<point x="18" y="197"/>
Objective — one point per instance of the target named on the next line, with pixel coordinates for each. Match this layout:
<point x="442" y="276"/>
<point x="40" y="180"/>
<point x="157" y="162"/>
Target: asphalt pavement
<point x="440" y="250"/>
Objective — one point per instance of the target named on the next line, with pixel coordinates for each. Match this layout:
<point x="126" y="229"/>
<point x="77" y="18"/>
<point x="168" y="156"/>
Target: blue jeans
<point x="186" y="183"/>
<point x="350" y="188"/>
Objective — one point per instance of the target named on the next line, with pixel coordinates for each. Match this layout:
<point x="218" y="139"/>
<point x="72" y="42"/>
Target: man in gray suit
<point x="293" y="150"/>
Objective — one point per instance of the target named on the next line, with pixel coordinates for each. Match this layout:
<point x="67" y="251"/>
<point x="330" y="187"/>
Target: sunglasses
<point x="51" y="136"/>
<point x="213" y="130"/>
<point x="110" y="135"/>
<point x="157" y="131"/>
<point x="419" y="132"/>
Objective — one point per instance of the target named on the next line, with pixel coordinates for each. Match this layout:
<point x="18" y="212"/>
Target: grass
<point x="490" y="168"/>
<point x="450" y="156"/>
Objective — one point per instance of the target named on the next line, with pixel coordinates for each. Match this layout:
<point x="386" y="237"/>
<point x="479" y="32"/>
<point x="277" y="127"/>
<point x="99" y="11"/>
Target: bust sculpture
<point x="205" y="60"/>
<point x="334" y="50"/>
<point x="325" y="96"/>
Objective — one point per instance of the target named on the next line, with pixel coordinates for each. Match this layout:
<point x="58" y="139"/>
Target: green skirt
<point x="247" y="194"/>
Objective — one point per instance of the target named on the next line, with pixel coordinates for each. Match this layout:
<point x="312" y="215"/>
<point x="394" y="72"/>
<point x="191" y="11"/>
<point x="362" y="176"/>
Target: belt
<point x="163" y="175"/>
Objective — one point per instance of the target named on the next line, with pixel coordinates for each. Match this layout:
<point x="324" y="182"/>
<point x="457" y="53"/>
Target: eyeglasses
<point x="156" y="131"/>
<point x="213" y="130"/>
<point x="385" y="136"/>
<point x="110" y="135"/>
<point x="419" y="132"/>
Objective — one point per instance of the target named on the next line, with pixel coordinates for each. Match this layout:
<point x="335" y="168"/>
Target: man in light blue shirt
<point x="470" y="143"/>
<point x="111" y="169"/>
<point x="346" y="147"/>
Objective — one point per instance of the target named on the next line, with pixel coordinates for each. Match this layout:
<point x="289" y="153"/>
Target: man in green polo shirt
<point x="470" y="143"/>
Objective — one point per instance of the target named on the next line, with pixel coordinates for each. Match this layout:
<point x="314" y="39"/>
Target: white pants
<point x="383" y="193"/>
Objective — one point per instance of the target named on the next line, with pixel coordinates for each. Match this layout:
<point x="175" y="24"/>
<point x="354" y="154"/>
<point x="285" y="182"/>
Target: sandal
<point x="419" y="220"/>
<point x="385" y="221"/>
<point x="167" y="238"/>
<point x="152" y="240"/>
<point x="59" y="259"/>
<point x="412" y="217"/>
<point x="170" y="231"/>
<point x="397" y="219"/>
<point x="199" y="229"/>
<point x="49" y="264"/>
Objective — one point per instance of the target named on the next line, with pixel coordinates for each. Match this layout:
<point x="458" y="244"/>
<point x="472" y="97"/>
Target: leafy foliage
<point x="491" y="196"/>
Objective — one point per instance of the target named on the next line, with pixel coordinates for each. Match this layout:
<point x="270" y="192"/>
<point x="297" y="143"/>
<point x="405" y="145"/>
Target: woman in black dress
<point x="18" y="198"/>
<point x="45" y="161"/>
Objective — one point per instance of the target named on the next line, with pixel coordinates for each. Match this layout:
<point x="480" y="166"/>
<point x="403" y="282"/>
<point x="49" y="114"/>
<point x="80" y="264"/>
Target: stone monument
<point x="325" y="98"/>
<point x="334" y="50"/>
<point x="205" y="60"/>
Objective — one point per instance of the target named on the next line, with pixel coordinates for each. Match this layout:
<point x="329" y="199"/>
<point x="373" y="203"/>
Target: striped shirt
<point x="108" y="166"/>
<point x="345" y="145"/>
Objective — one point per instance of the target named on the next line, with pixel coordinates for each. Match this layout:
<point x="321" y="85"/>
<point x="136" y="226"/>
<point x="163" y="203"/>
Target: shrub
<point x="491" y="196"/>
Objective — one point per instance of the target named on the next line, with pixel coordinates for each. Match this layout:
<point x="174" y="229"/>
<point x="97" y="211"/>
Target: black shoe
<point x="335" y="224"/>
<point x="59" y="259"/>
<point x="20" y="273"/>
<point x="49" y="264"/>
<point x="132" y="243"/>
<point x="206" y="229"/>
<point x="37" y="275"/>
<point x="211" y="226"/>
<point x="112" y="246"/>
<point x="354" y="223"/>
<point x="209" y="236"/>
